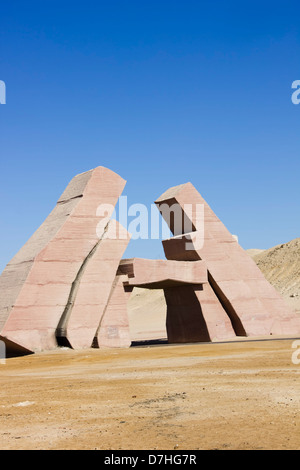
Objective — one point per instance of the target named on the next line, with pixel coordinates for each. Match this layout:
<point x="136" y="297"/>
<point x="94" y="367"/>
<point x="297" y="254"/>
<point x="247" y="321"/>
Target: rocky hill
<point x="281" y="266"/>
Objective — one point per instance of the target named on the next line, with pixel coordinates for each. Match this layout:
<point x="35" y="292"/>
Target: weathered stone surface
<point x="216" y="319"/>
<point x="113" y="330"/>
<point x="253" y="305"/>
<point x="91" y="290"/>
<point x="157" y="274"/>
<point x="35" y="286"/>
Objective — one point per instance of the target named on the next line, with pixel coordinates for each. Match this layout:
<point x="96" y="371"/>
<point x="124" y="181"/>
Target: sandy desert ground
<point x="238" y="395"/>
<point x="241" y="395"/>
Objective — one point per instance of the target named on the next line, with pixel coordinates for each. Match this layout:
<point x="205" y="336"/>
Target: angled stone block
<point x="194" y="313"/>
<point x="35" y="286"/>
<point x="216" y="319"/>
<point x="113" y="330"/>
<point x="91" y="290"/>
<point x="157" y="274"/>
<point x="252" y="304"/>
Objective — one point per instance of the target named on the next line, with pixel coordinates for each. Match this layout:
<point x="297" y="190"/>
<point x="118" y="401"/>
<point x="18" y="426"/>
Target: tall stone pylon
<point x="254" y="307"/>
<point x="58" y="283"/>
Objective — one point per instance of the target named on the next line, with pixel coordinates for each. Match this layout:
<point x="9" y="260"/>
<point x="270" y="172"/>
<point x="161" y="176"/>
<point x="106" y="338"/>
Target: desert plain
<point x="233" y="396"/>
<point x="239" y="395"/>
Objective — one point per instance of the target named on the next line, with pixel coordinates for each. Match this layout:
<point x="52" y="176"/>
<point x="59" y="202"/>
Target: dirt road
<point x="243" y="395"/>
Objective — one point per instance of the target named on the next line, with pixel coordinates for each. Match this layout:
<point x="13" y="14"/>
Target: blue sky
<point x="162" y="92"/>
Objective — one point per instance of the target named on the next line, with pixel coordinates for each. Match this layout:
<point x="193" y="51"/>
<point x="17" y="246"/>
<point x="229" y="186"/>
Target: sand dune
<point x="281" y="266"/>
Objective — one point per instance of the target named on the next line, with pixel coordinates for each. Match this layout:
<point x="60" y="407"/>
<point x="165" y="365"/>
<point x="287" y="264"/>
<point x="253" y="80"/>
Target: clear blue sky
<point x="162" y="92"/>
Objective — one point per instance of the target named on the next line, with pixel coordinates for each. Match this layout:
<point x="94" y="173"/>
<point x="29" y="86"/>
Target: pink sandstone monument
<point x="56" y="288"/>
<point x="254" y="307"/>
<point x="69" y="285"/>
